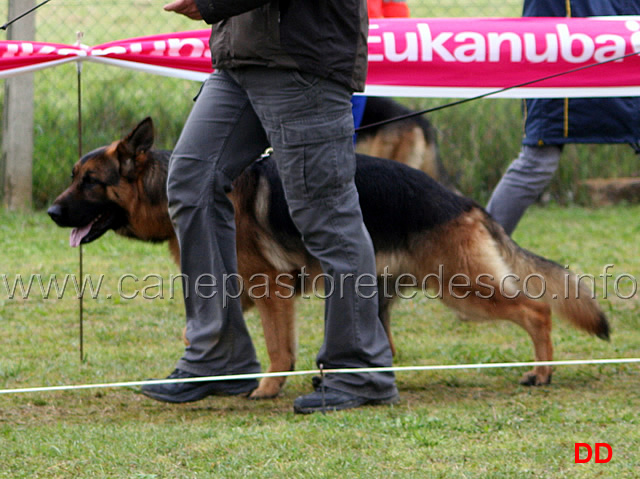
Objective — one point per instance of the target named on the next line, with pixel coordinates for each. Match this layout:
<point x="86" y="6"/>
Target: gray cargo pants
<point x="308" y="122"/>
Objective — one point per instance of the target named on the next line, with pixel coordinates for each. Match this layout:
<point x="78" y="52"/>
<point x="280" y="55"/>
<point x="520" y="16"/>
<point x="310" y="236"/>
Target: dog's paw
<point x="269" y="388"/>
<point x="533" y="378"/>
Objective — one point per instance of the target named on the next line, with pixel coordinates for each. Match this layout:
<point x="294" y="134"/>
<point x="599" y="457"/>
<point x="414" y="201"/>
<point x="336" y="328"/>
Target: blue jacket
<point x="578" y="120"/>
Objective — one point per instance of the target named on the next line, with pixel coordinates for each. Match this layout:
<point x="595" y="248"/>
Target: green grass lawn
<point x="449" y="424"/>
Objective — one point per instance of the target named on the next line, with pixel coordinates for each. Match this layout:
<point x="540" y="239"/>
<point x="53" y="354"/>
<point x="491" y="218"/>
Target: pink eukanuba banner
<point x="429" y="57"/>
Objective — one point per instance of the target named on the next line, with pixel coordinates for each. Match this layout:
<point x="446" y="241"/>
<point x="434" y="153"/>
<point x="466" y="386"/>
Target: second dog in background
<point x="412" y="141"/>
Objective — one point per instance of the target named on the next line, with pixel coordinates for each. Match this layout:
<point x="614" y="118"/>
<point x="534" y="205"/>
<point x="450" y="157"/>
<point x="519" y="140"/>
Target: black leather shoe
<point x="189" y="392"/>
<point x="334" y="400"/>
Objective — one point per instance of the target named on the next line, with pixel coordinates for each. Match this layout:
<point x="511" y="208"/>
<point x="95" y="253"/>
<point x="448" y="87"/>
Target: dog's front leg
<point x="277" y="313"/>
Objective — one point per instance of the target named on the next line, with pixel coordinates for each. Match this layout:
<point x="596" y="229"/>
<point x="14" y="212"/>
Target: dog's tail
<point x="568" y="295"/>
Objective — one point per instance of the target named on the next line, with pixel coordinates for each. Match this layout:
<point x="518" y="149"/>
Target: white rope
<point x="324" y="371"/>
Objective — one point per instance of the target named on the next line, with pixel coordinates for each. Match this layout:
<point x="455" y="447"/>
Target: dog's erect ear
<point x="139" y="140"/>
<point x="141" y="137"/>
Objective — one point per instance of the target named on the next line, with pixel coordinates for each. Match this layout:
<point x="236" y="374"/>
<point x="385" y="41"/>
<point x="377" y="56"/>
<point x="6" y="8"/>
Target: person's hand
<point x="187" y="8"/>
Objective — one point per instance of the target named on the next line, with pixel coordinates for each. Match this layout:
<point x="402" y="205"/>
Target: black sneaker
<point x="335" y="400"/>
<point x="189" y="392"/>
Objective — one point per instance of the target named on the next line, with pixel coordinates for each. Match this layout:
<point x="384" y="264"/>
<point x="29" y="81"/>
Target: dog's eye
<point x="91" y="181"/>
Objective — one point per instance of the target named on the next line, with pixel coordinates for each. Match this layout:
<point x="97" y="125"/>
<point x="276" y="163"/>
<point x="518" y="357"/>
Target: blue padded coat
<point x="578" y="120"/>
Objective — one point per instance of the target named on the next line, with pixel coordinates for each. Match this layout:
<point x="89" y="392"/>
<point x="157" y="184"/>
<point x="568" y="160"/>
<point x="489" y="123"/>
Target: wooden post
<point x="17" y="121"/>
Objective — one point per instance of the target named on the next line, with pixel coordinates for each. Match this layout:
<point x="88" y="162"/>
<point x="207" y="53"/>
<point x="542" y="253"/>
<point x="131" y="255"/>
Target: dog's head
<point x="102" y="184"/>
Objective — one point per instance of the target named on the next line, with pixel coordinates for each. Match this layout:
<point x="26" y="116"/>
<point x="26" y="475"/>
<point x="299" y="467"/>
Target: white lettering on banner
<point x="27" y="48"/>
<point x="635" y="38"/>
<point x="476" y="51"/>
<point x="466" y="46"/>
<point x="24" y="49"/>
<point x="175" y="45"/>
<point x="414" y="57"/>
<point x="374" y="39"/>
<point x="495" y="43"/>
<point x="567" y="40"/>
<point x="159" y="46"/>
<point x="12" y="49"/>
<point x="429" y="45"/>
<point x="115" y="50"/>
<point x="411" y="52"/>
<point x="550" y="54"/>
<point x="607" y="52"/>
<point x="71" y="52"/>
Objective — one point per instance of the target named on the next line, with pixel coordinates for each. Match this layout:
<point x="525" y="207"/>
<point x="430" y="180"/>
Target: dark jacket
<point x="327" y="38"/>
<point x="578" y="120"/>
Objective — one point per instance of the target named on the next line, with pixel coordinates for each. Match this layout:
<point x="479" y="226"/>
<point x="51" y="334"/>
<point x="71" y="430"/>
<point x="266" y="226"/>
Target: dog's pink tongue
<point x="77" y="234"/>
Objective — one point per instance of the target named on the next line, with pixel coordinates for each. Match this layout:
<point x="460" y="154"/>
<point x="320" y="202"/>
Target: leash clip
<point x="266" y="154"/>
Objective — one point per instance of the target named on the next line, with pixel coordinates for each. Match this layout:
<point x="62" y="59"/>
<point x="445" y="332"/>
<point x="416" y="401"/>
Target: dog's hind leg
<point x="277" y="313"/>
<point x="174" y="249"/>
<point x="533" y="316"/>
<point x="384" y="311"/>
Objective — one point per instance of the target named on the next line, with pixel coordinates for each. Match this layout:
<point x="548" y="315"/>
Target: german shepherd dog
<point x="419" y="228"/>
<point x="412" y="141"/>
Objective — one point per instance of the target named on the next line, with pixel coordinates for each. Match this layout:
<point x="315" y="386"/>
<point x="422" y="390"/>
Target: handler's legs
<point x="525" y="179"/>
<point x="310" y="127"/>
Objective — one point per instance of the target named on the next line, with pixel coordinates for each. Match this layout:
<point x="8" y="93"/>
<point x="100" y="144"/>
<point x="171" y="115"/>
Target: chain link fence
<point x="113" y="99"/>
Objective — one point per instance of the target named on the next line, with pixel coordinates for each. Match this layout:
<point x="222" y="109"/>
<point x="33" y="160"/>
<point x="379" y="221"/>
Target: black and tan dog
<point x="418" y="228"/>
<point x="412" y="141"/>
